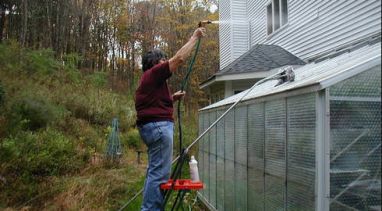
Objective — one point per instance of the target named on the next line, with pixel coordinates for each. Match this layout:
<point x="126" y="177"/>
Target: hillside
<point x="55" y="123"/>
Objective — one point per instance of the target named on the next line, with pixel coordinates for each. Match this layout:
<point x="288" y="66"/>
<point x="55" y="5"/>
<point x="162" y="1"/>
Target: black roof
<point x="261" y="58"/>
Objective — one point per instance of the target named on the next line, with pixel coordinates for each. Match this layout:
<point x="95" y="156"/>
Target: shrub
<point x="32" y="113"/>
<point x="41" y="61"/>
<point x="15" y="58"/>
<point x="28" y="158"/>
<point x="70" y="63"/>
<point x="98" y="79"/>
<point x="46" y="153"/>
<point x="134" y="139"/>
<point x="10" y="55"/>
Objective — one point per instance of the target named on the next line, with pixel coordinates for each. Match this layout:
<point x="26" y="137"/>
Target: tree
<point x="111" y="35"/>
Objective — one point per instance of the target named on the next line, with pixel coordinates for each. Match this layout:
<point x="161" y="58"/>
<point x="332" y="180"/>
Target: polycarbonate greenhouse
<point x="311" y="144"/>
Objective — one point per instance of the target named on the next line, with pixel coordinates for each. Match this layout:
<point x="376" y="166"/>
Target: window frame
<point x="283" y="16"/>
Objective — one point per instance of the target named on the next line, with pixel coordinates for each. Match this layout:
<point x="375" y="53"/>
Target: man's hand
<point x="178" y="95"/>
<point x="199" y="32"/>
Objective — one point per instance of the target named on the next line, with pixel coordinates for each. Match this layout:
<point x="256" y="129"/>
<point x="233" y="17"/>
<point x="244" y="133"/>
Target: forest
<point x="67" y="69"/>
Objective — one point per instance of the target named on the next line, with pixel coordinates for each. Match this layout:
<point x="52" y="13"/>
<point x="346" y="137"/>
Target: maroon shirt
<point x="153" y="101"/>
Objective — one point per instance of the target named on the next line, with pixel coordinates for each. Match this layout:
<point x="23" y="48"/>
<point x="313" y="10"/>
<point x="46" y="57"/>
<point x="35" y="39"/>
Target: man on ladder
<point x="154" y="106"/>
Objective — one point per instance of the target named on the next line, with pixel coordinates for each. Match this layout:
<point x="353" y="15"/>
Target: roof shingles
<point x="261" y="58"/>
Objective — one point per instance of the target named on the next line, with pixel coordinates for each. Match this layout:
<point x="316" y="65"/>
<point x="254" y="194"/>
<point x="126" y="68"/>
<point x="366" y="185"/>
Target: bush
<point x="98" y="79"/>
<point x="32" y="113"/>
<point x="10" y="56"/>
<point x="29" y="157"/>
<point x="41" y="61"/>
<point x="15" y="58"/>
<point x="47" y="153"/>
<point x="71" y="62"/>
<point x="134" y="139"/>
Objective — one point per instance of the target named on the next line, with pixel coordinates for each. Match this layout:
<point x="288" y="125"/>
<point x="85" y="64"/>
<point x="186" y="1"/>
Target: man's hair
<point x="152" y="58"/>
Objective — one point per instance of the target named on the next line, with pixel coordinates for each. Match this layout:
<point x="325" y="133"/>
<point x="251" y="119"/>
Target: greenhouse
<point x="310" y="144"/>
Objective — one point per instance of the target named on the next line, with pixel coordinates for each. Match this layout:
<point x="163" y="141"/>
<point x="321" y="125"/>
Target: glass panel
<point x="241" y="158"/>
<point x="229" y="136"/>
<point x="241" y="135"/>
<point x="206" y="176"/>
<point x="212" y="133"/>
<point x="220" y="163"/>
<point x="229" y="161"/>
<point x="284" y="11"/>
<point x="355" y="151"/>
<point x="212" y="180"/>
<point x="256" y="137"/>
<point x="275" y="135"/>
<point x="366" y="84"/>
<point x="201" y="149"/>
<point x="229" y="185"/>
<point x="269" y="19"/>
<point x="301" y="130"/>
<point x="220" y="135"/>
<point x="212" y="143"/>
<point x="276" y="11"/>
<point x="220" y="183"/>
<point x="240" y="187"/>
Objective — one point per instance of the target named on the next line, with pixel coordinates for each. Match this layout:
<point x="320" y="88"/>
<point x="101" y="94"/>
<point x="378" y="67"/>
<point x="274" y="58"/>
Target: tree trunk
<point x="25" y="22"/>
<point x="2" y="22"/>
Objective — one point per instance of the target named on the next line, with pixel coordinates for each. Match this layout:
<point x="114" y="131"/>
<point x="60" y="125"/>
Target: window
<point x="277" y="15"/>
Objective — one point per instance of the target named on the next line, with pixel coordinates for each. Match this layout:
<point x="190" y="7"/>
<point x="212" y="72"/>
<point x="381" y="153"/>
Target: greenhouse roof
<point x="316" y="76"/>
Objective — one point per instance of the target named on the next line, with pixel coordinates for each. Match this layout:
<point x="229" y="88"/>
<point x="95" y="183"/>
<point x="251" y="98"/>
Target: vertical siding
<point x="224" y="32"/>
<point x="258" y="19"/>
<point x="234" y="30"/>
<point x="316" y="27"/>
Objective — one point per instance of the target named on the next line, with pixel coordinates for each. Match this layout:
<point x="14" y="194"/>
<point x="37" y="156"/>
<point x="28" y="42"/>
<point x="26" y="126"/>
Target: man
<point x="154" y="106"/>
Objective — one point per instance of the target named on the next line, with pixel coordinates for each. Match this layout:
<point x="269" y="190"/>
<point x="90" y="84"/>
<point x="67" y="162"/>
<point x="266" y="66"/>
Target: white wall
<point x="234" y="30"/>
<point x="314" y="27"/>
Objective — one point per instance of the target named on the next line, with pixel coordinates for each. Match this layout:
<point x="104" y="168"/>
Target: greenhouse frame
<point x="310" y="144"/>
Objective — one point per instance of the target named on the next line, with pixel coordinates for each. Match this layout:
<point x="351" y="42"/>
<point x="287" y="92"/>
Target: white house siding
<point x="234" y="30"/>
<point x="316" y="27"/>
<point x="224" y="32"/>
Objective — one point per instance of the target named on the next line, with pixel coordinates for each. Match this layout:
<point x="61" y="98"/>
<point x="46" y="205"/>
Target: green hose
<point x="190" y="65"/>
<point x="183" y="87"/>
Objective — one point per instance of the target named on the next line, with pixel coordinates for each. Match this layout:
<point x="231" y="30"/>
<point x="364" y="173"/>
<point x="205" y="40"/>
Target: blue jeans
<point x="158" y="136"/>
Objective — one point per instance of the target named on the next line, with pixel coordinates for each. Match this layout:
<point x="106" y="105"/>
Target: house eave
<point x="243" y="76"/>
<point x="208" y="82"/>
<point x="239" y="76"/>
